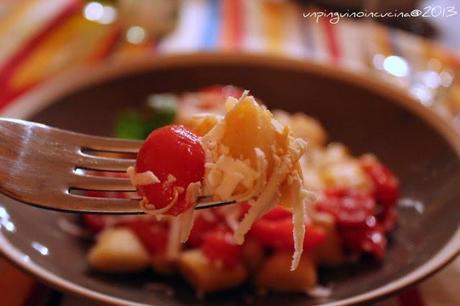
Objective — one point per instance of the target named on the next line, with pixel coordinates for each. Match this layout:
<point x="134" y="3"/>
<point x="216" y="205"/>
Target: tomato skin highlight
<point x="218" y="246"/>
<point x="275" y="230"/>
<point x="176" y="157"/>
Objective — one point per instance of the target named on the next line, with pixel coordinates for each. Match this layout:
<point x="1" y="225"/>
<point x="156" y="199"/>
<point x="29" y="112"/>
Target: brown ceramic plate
<point x="365" y="115"/>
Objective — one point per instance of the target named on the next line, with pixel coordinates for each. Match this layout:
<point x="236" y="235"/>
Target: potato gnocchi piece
<point x="163" y="265"/>
<point x="207" y="277"/>
<point x="118" y="250"/>
<point x="303" y="126"/>
<point x="348" y="174"/>
<point x="330" y="252"/>
<point x="334" y="167"/>
<point x="253" y="254"/>
<point x="274" y="274"/>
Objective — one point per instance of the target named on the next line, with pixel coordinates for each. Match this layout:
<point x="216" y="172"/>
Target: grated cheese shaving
<point x="298" y="220"/>
<point x="186" y="219"/>
<point x="267" y="200"/>
<point x="186" y="224"/>
<point x="141" y="179"/>
<point x="150" y="208"/>
<point x="174" y="246"/>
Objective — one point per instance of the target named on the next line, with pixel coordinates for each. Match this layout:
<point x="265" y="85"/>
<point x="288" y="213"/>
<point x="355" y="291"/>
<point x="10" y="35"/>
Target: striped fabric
<point x="40" y="38"/>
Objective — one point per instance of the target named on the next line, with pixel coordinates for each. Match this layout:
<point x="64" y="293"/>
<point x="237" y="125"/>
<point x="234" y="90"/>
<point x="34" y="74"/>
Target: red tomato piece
<point x="388" y="219"/>
<point x="278" y="234"/>
<point x="349" y="207"/>
<point x="175" y="152"/>
<point x="201" y="227"/>
<point x="152" y="234"/>
<point x="385" y="182"/>
<point x="277" y="213"/>
<point x="95" y="223"/>
<point x="370" y="238"/>
<point x="218" y="246"/>
<point x="314" y="237"/>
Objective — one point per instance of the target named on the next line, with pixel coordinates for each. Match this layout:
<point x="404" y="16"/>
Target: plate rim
<point x="81" y="77"/>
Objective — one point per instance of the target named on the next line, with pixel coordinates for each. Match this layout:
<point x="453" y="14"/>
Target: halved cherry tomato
<point x="388" y="219"/>
<point x="201" y="227"/>
<point x="386" y="186"/>
<point x="277" y="213"/>
<point x="358" y="227"/>
<point x="218" y="246"/>
<point x="350" y="207"/>
<point x="176" y="157"/>
<point x="277" y="234"/>
<point x="369" y="238"/>
<point x="385" y="182"/>
<point x="152" y="234"/>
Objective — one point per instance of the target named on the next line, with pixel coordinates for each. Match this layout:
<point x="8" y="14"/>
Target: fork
<point x="41" y="166"/>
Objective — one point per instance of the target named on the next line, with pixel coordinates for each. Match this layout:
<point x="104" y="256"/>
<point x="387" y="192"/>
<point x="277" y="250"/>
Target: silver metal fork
<point x="39" y="165"/>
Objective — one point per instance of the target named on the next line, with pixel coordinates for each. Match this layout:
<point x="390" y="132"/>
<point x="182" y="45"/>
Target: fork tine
<point x="103" y="163"/>
<point x="214" y="204"/>
<point x="108" y="144"/>
<point x="100" y="183"/>
<point x="86" y="204"/>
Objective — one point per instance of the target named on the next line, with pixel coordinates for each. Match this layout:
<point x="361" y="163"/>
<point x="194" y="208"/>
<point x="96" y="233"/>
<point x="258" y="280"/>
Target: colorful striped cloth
<point x="41" y="38"/>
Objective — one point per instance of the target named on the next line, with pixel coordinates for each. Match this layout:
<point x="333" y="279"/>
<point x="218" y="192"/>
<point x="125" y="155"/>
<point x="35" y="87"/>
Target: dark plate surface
<point x="357" y="112"/>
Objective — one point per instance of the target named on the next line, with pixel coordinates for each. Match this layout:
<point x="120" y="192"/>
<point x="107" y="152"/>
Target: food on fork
<point x="250" y="157"/>
<point x="222" y="143"/>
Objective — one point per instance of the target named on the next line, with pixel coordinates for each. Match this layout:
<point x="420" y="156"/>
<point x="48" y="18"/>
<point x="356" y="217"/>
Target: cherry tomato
<point x="350" y="207"/>
<point x="152" y="234"/>
<point x="385" y="182"/>
<point x="388" y="219"/>
<point x="369" y="238"/>
<point x="176" y="157"/>
<point x="277" y="213"/>
<point x="95" y="223"/>
<point x="218" y="246"/>
<point x="277" y="234"/>
<point x="201" y="226"/>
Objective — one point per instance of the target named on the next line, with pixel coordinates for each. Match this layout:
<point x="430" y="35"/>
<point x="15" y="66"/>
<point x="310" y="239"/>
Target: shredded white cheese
<point x="298" y="220"/>
<point x="267" y="199"/>
<point x="141" y="179"/>
<point x="186" y="218"/>
<point x="186" y="223"/>
<point x="150" y="208"/>
<point x="174" y="246"/>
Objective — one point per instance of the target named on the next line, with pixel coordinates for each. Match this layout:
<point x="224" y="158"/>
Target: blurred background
<point x="412" y="44"/>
